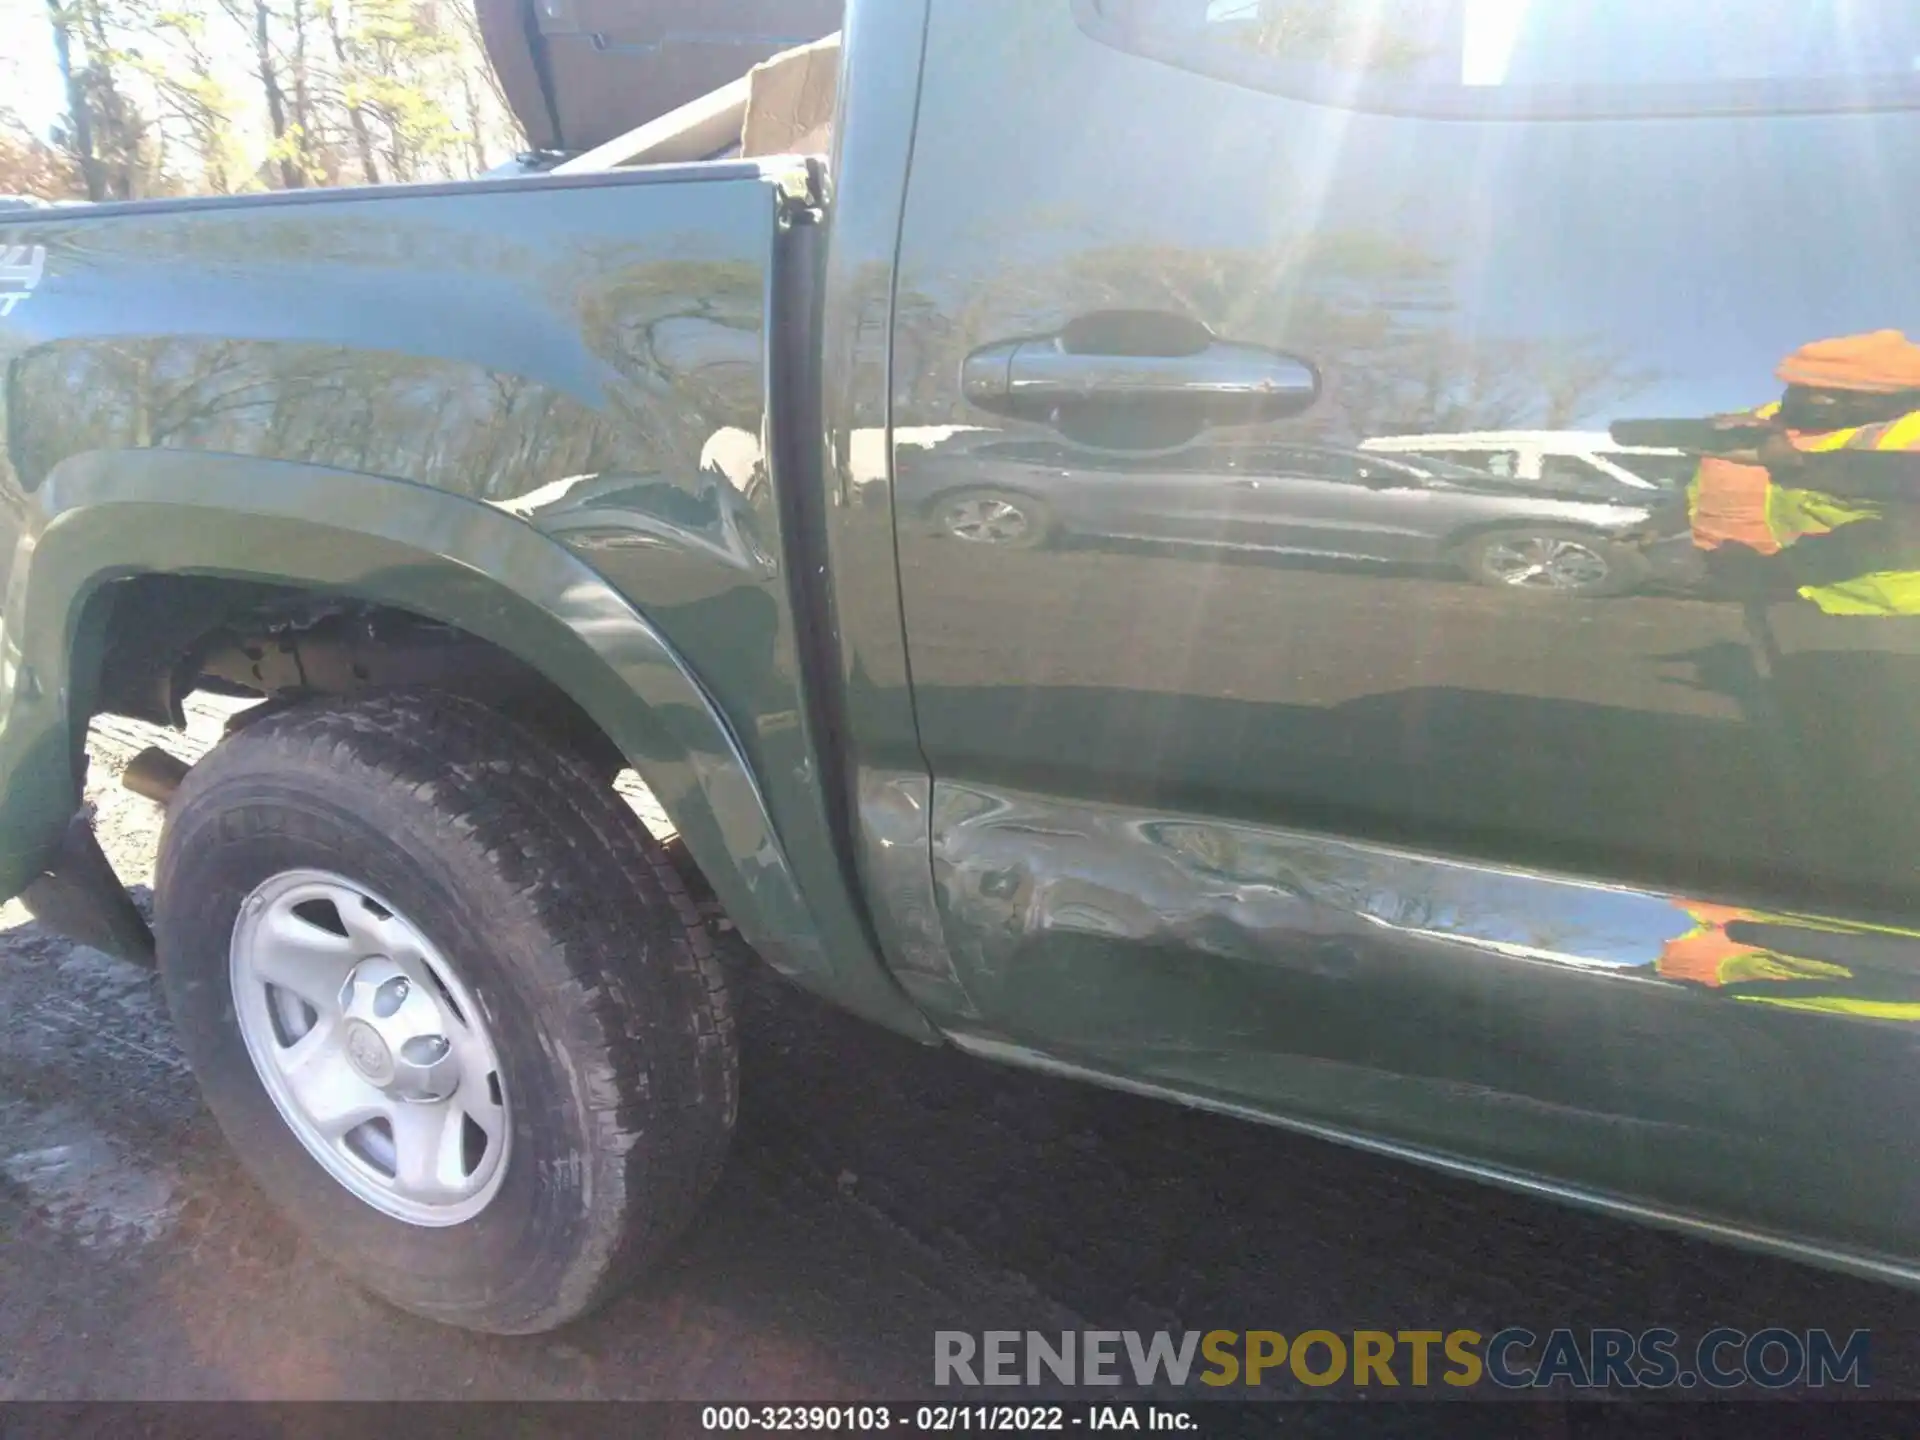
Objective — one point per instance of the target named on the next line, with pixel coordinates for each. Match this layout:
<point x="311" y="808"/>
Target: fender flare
<point x="108" y="515"/>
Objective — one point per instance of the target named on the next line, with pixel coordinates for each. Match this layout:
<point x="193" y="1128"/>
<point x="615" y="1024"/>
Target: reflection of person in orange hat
<point x="1851" y="424"/>
<point x="1861" y="970"/>
<point x="1856" y="393"/>
<point x="1884" y="362"/>
<point x="1847" y="399"/>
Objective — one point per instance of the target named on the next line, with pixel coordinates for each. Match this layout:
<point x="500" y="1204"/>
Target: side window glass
<point x="1503" y="464"/>
<point x="1320" y="464"/>
<point x="1387" y="473"/>
<point x="1538" y="56"/>
<point x="1570" y="472"/>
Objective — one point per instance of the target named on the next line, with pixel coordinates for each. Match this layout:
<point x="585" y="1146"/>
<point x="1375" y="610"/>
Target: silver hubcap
<point x="373" y="1051"/>
<point x="986" y="521"/>
<point x="1540" y="562"/>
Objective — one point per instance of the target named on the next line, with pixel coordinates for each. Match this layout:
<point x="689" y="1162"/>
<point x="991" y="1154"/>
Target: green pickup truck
<point x="966" y="531"/>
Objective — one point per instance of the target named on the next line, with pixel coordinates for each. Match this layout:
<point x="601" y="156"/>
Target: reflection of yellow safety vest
<point x="1881" y="592"/>
<point x="1894" y="435"/>
<point x="1837" y="1005"/>
<point x="1707" y="955"/>
<point x="1733" y="503"/>
<point x="1884" y="592"/>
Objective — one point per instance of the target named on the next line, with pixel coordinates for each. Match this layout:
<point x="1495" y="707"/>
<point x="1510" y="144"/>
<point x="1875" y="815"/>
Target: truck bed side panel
<point x="586" y="359"/>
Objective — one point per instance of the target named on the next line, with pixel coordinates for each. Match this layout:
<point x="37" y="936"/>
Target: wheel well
<point x="160" y="637"/>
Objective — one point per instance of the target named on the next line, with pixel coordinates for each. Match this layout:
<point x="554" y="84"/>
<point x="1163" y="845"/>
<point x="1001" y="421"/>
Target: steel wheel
<point x="452" y="1007"/>
<point x="374" y="1052"/>
<point x="1545" y="562"/>
<point x="989" y="520"/>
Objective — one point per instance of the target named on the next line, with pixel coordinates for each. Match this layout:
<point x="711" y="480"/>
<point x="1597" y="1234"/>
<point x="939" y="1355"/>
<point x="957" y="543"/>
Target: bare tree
<point x="269" y="75"/>
<point x="1375" y="37"/>
<point x="349" y="92"/>
<point x="124" y="138"/>
<point x="343" y="90"/>
<point x="193" y="98"/>
<point x="79" y="103"/>
<point x="1583" y="377"/>
<point x="31" y="166"/>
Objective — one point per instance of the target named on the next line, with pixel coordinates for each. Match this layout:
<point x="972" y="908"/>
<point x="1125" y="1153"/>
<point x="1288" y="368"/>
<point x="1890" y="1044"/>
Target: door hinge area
<point x="804" y="190"/>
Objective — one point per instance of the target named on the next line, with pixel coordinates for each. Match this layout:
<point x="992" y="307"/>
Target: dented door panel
<point x="1615" y="896"/>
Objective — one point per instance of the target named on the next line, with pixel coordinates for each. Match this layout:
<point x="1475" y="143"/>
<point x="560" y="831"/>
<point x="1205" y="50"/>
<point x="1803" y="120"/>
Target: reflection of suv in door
<point x="1502" y="533"/>
<point x="1302" y="500"/>
<point x="1562" y="461"/>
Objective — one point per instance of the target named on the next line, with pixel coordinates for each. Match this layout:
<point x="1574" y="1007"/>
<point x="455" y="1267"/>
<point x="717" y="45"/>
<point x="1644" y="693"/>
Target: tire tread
<point x="635" y="987"/>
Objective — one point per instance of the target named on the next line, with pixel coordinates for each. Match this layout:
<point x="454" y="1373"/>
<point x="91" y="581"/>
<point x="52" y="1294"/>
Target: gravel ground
<point x="878" y="1192"/>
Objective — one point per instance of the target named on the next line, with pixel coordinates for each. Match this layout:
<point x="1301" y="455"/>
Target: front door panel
<point x="1271" y="829"/>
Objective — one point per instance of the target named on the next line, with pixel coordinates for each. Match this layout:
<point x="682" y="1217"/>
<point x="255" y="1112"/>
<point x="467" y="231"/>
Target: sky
<point x="29" y="78"/>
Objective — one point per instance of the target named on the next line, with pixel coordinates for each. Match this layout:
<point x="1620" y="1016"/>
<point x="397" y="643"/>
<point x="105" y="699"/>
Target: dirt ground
<point x="878" y="1192"/>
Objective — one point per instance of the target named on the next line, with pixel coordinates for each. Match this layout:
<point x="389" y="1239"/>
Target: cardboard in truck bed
<point x="580" y="73"/>
<point x="790" y="101"/>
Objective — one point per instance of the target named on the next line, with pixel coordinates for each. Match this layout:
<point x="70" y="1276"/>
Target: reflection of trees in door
<point x="1377" y="315"/>
<point x="681" y="341"/>
<point x="1381" y="36"/>
<point x="436" y="422"/>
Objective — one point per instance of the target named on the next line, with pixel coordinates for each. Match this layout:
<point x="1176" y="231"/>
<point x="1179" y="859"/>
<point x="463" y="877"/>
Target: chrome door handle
<point x="1218" y="382"/>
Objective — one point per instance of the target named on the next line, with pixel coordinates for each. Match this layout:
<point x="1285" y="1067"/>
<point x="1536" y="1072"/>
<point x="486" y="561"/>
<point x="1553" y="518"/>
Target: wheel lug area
<point x="391" y="995"/>
<point x="395" y="1033"/>
<point x="424" y="1050"/>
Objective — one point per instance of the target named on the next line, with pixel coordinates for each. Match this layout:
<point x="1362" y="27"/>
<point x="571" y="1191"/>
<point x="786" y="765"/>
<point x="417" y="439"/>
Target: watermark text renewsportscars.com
<point x="1514" y="1358"/>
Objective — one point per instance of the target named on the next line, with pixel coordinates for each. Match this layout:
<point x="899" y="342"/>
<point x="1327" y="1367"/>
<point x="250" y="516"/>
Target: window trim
<point x="1313" y="84"/>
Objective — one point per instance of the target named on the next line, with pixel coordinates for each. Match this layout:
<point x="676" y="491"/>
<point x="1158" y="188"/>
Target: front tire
<point x="1553" y="560"/>
<point x="448" y="1001"/>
